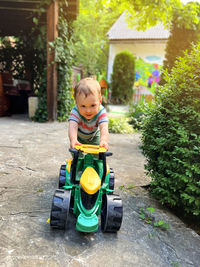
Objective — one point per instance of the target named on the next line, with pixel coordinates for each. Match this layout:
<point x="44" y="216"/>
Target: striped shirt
<point x="88" y="129"/>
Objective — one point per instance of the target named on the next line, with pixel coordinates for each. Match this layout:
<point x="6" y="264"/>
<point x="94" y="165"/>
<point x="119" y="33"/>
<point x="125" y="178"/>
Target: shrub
<point x="123" y="77"/>
<point x="120" y="125"/>
<point x="171" y="137"/>
<point x="137" y="111"/>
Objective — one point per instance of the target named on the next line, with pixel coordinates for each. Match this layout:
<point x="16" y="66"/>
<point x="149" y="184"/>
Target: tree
<point x="181" y="38"/>
<point x="90" y="41"/>
<point x="96" y="17"/>
<point x="146" y="13"/>
<point x="123" y="77"/>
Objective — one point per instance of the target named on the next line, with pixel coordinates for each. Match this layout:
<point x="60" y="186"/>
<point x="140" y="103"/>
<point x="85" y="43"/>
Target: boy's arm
<point x="72" y="133"/>
<point x="104" y="134"/>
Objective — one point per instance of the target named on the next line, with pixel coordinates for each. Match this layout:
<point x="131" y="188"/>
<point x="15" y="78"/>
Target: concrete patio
<point x="30" y="158"/>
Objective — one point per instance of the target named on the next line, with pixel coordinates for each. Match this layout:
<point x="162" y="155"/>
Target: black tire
<point x="111" y="213"/>
<point x="62" y="177"/>
<point x="112" y="179"/>
<point x="60" y="208"/>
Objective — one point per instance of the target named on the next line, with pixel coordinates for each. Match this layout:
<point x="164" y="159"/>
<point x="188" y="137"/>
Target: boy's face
<point x="88" y="106"/>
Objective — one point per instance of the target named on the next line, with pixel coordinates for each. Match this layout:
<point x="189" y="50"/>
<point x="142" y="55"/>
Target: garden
<point x="169" y="124"/>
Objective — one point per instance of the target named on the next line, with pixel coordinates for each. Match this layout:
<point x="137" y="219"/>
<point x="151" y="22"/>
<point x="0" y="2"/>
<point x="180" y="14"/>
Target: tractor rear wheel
<point x="111" y="213"/>
<point x="62" y="176"/>
<point x="60" y="208"/>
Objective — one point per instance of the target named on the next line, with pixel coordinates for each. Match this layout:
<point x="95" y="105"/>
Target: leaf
<point x="40" y="190"/>
<point x="142" y="216"/>
<point x="150" y="209"/>
<point x="35" y="20"/>
<point x="159" y="223"/>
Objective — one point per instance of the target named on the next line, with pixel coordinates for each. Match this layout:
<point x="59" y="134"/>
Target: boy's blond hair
<point x="87" y="86"/>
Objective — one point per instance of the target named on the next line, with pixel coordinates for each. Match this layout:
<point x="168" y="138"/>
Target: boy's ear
<point x="74" y="96"/>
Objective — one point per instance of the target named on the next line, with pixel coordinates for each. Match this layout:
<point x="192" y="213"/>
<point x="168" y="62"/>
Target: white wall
<point x="151" y="51"/>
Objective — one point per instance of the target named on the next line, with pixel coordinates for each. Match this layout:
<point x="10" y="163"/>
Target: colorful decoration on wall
<point x="147" y="74"/>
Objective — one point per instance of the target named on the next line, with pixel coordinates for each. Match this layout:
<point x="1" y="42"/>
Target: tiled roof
<point x="121" y="31"/>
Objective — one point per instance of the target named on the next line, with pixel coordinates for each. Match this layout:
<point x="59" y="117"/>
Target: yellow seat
<point x="90" y="181"/>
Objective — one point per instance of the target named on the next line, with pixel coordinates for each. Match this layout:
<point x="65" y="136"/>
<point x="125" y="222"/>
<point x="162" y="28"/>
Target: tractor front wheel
<point x="111" y="213"/>
<point x="60" y="208"/>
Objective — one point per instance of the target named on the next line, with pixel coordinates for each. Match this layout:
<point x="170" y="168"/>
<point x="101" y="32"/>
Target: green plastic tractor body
<point x="86" y="188"/>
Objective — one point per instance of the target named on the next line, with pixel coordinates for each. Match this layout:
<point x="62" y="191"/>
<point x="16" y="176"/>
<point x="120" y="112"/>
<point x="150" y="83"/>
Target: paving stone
<point x="30" y="158"/>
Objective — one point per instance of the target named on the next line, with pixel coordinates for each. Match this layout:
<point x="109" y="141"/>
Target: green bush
<point x="137" y="112"/>
<point x="123" y="76"/>
<point x="171" y="137"/>
<point x="120" y="125"/>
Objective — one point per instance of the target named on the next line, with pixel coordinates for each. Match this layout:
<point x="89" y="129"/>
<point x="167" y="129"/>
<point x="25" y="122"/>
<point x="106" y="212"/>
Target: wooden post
<point x="52" y="33"/>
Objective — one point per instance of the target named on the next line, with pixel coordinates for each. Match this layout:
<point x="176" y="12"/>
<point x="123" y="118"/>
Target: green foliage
<point x="147" y="216"/>
<point x="123" y="76"/>
<point x="90" y="42"/>
<point x="171" y="137"/>
<point x="146" y="13"/>
<point x="119" y="125"/>
<point x="40" y="190"/>
<point x="41" y="114"/>
<point x="63" y="48"/>
<point x="181" y="38"/>
<point x="10" y="58"/>
<point x="96" y="17"/>
<point x="23" y="56"/>
<point x="137" y="111"/>
<point x="63" y="57"/>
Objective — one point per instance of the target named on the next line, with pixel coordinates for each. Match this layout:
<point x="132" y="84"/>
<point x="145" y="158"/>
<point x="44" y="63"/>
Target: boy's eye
<point x="93" y="105"/>
<point x="83" y="106"/>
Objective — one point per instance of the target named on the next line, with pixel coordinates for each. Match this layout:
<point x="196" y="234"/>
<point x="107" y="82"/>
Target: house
<point x="148" y="45"/>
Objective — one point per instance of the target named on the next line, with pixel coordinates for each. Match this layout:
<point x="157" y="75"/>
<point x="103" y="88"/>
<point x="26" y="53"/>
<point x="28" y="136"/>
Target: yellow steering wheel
<point x="92" y="149"/>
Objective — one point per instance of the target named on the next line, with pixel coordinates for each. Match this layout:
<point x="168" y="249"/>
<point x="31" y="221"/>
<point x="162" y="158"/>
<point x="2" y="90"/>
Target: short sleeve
<point x="74" y="115"/>
<point x="102" y="116"/>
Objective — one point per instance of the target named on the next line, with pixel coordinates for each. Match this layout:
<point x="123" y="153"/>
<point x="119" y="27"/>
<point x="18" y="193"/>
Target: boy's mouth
<point x="88" y="115"/>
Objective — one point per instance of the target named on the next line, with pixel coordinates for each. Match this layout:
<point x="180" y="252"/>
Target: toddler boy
<point x="88" y="122"/>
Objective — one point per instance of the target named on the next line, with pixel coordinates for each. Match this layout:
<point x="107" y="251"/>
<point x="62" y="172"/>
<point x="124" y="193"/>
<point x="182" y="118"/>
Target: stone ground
<point x="30" y="158"/>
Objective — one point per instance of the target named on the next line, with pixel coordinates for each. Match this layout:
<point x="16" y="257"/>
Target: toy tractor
<point x="86" y="187"/>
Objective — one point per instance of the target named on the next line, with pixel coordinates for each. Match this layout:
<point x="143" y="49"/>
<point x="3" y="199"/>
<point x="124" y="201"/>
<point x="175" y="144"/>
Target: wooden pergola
<point x="17" y="15"/>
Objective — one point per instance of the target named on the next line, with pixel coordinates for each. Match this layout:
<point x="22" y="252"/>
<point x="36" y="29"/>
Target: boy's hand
<point x="104" y="144"/>
<point x="74" y="143"/>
